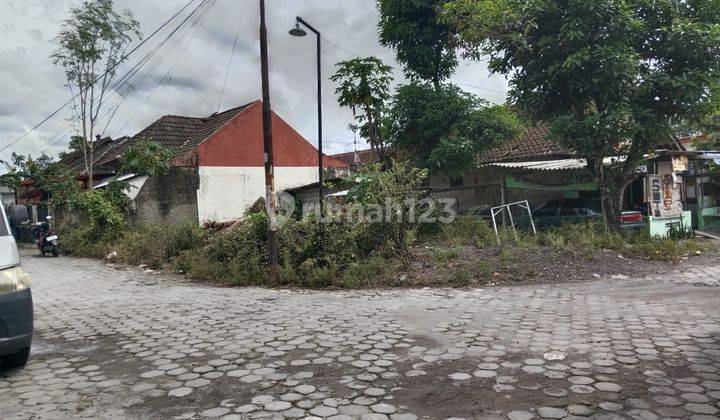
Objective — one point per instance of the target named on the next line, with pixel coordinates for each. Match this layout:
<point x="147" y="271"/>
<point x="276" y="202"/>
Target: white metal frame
<point x="499" y="209"/>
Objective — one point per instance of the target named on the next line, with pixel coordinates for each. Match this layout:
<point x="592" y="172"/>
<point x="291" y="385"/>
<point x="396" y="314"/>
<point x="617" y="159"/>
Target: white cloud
<point x="33" y="87"/>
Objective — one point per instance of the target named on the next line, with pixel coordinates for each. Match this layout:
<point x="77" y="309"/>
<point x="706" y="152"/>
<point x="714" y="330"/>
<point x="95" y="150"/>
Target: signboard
<point x="679" y="163"/>
<point x="514" y="181"/>
<point x="665" y="195"/>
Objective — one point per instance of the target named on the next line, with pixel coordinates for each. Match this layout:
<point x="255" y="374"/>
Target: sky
<point x="187" y="76"/>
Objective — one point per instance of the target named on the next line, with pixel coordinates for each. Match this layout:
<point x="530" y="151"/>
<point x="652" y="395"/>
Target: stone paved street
<point x="126" y="344"/>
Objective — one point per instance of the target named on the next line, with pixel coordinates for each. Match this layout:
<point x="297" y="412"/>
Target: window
<point x="457" y="181"/>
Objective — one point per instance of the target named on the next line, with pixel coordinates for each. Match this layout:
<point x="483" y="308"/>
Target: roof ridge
<point x="214" y="114"/>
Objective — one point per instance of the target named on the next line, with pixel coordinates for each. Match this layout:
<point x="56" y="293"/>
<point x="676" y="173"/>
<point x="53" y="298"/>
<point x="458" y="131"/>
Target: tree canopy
<point x="44" y="177"/>
<point x="147" y="158"/>
<point x="424" y="45"/>
<point x="611" y="77"/>
<point x="364" y="87"/>
<point x="91" y="45"/>
<point x="445" y="129"/>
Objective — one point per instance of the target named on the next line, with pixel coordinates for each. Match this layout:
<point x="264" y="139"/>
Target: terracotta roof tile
<point x="363" y="156"/>
<point x="534" y="145"/>
<point x="179" y="133"/>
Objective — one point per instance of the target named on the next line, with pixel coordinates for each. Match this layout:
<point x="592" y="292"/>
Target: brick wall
<point x="168" y="199"/>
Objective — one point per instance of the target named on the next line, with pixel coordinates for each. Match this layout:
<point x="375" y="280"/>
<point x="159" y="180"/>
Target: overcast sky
<point x="32" y="87"/>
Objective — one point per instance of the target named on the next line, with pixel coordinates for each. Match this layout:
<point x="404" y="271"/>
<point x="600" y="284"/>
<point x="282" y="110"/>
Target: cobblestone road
<point x="124" y="344"/>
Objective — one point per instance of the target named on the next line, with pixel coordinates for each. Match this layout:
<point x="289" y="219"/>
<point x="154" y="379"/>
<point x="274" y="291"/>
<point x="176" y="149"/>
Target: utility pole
<point x="270" y="207"/>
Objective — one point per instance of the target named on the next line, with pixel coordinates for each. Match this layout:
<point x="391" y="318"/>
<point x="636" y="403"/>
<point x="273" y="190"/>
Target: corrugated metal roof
<point x="553" y="165"/>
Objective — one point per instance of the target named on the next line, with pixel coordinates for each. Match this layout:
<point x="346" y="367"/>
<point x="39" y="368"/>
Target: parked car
<point x="573" y="210"/>
<point x="16" y="306"/>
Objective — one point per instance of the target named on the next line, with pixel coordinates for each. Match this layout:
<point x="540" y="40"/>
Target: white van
<point x="16" y="306"/>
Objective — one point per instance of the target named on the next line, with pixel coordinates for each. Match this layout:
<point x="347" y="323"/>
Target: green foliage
<point x="364" y="87"/>
<point x="49" y="180"/>
<point x="368" y="272"/>
<point x="146" y="158"/>
<point x="467" y="230"/>
<point x="424" y="45"/>
<point x="445" y="128"/>
<point x="81" y="242"/>
<point x="105" y="214"/>
<point x="610" y="77"/>
<point x="592" y="237"/>
<point x="157" y="245"/>
<point x="236" y="256"/>
<point x="91" y="45"/>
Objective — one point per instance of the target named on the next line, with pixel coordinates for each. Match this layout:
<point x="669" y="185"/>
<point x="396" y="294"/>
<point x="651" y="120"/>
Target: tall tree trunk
<point x="612" y="183"/>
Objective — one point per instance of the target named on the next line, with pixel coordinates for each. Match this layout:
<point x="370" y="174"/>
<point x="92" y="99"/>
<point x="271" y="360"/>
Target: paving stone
<point x="698" y="408"/>
<point x="215" y="412"/>
<point x="324" y="411"/>
<point x="580" y="410"/>
<point x="157" y="338"/>
<point x="520" y="415"/>
<point x="610" y="406"/>
<point x="485" y="374"/>
<point x="277" y="406"/>
<point x="383" y="408"/>
<point x="608" y="387"/>
<point x="551" y="413"/>
<point x="180" y="392"/>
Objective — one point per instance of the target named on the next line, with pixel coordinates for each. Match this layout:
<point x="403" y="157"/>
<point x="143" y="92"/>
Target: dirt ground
<point x="546" y="265"/>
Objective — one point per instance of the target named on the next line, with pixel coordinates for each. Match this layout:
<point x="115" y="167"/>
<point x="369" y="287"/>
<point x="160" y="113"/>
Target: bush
<point x="236" y="256"/>
<point x="157" y="245"/>
<point x="590" y="237"/>
<point x="81" y="243"/>
<point x="467" y="229"/>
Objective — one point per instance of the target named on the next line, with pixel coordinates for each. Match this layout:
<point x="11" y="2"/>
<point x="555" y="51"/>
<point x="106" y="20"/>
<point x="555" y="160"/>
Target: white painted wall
<point x="225" y="192"/>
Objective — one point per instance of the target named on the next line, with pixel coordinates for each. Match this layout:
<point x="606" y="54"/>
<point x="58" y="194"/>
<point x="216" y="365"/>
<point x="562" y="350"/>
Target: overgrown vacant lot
<point x="462" y="254"/>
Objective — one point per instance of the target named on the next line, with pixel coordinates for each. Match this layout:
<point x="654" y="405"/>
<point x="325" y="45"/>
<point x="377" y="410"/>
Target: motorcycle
<point x="46" y="238"/>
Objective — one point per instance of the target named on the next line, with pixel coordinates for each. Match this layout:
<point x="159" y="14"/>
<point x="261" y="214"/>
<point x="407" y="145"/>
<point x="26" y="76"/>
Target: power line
<point x="112" y="68"/>
<point x="141" y="76"/>
<point x="196" y="24"/>
<point x="227" y="71"/>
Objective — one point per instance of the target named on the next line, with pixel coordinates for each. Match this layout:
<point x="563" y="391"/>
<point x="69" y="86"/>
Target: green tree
<point x="364" y="87"/>
<point x="91" y="44"/>
<point x="146" y="157"/>
<point x="611" y="77"/>
<point x="424" y="45"/>
<point x="42" y="176"/>
<point x="444" y="129"/>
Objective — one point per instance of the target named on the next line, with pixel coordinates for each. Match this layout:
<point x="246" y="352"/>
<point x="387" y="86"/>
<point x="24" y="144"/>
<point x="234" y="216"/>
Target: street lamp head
<point x="297" y="30"/>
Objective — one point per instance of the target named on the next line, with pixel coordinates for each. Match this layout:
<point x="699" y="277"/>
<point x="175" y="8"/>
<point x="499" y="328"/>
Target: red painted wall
<point x="240" y="143"/>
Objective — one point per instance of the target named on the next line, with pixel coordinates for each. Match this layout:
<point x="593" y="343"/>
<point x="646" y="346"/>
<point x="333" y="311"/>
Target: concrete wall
<point x="225" y="192"/>
<point x="480" y="188"/>
<point x="168" y="199"/>
<point x="232" y="166"/>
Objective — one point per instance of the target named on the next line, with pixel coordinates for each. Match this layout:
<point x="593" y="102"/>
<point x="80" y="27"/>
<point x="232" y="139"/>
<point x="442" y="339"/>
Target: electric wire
<point x="227" y="71"/>
<point x="112" y="68"/>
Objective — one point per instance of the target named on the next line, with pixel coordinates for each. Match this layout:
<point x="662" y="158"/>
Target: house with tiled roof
<point x="102" y="148"/>
<point x="534" y="145"/>
<point x="519" y="169"/>
<point x="218" y="166"/>
<point x="358" y="157"/>
<point x="533" y="167"/>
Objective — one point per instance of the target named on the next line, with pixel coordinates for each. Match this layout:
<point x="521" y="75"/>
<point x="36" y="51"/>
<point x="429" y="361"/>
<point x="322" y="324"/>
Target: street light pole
<point x="273" y="243"/>
<point x="297" y="31"/>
